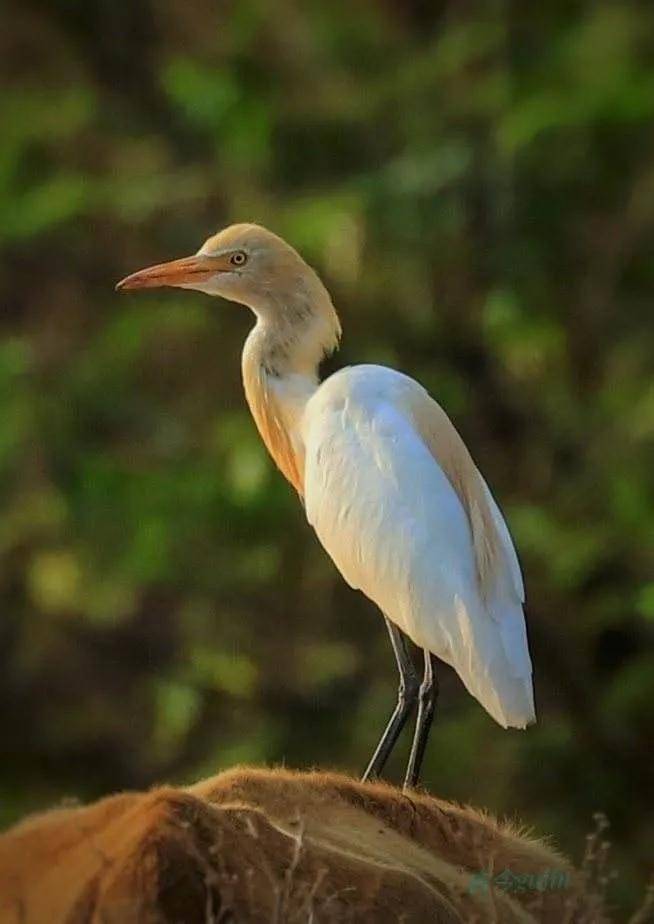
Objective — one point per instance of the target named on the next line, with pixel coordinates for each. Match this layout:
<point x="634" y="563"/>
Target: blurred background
<point x="475" y="183"/>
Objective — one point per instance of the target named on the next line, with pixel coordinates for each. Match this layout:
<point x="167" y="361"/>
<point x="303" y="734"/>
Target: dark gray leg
<point x="426" y="704"/>
<point x="406" y="698"/>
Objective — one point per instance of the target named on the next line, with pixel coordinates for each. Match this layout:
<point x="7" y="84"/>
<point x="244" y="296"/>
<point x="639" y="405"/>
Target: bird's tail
<point x="496" y="668"/>
<point x="510" y="701"/>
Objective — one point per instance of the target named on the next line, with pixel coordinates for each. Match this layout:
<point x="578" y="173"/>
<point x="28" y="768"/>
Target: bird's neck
<point x="280" y="373"/>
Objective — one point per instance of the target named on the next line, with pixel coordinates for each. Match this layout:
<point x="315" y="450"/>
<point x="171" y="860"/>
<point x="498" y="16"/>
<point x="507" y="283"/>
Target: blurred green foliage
<point x="475" y="182"/>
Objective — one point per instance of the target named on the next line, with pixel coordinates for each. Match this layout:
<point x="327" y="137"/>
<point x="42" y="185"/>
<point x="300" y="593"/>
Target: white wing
<point x="417" y="541"/>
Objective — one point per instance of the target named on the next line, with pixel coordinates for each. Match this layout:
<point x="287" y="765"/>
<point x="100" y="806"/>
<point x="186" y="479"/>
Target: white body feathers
<point x="392" y="521"/>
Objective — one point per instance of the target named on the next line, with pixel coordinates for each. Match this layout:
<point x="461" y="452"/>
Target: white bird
<point x="387" y="483"/>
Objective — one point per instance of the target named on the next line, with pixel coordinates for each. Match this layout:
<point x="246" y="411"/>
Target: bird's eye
<point x="238" y="258"/>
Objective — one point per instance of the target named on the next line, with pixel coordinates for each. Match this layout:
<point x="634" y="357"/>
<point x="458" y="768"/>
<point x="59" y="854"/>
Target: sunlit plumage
<point x="387" y="483"/>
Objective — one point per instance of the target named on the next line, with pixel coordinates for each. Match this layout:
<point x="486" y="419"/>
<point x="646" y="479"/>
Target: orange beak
<point x="186" y="271"/>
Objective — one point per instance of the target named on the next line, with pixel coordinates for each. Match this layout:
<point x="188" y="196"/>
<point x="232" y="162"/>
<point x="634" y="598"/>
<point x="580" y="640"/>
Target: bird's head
<point x="244" y="263"/>
<point x="248" y="264"/>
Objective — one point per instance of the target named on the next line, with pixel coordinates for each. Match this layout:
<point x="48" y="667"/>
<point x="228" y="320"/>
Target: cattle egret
<point x="386" y="481"/>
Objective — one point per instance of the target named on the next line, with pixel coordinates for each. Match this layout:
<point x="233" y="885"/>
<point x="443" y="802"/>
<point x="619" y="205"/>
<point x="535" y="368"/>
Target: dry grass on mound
<point x="276" y="846"/>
